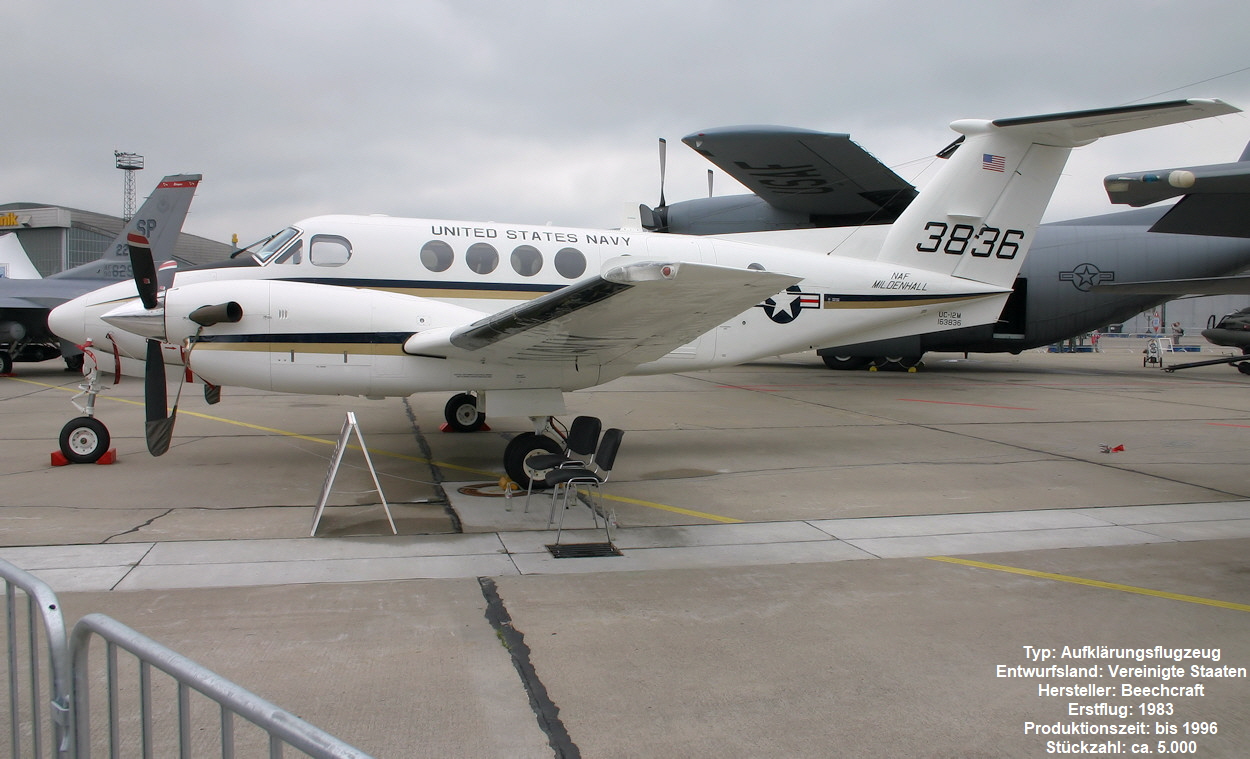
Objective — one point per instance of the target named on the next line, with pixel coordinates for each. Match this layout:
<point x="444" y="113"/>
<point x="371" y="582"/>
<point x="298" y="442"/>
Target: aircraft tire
<point x="520" y="449"/>
<point x="1244" y="367"/>
<point x="898" y="363"/>
<point x="74" y="363"/>
<point x="6" y="363"/>
<point x="462" y="415"/>
<point x="84" y="440"/>
<point x="845" y="363"/>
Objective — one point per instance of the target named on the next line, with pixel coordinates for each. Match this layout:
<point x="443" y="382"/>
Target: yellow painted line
<point x="1095" y="583"/>
<point x="399" y="456"/>
<point x="673" y="509"/>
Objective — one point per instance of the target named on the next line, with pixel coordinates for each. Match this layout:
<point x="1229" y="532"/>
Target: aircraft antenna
<point x="129" y="163"/>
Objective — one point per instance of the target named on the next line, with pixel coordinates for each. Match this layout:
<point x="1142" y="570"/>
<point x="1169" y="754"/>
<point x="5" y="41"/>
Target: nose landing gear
<point x="85" y="439"/>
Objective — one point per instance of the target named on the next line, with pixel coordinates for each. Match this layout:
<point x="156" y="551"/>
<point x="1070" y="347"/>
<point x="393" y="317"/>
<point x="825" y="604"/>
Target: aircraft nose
<point x="67" y="321"/>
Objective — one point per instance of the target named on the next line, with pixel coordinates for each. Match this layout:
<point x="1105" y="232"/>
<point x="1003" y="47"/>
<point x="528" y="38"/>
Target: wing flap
<point x="631" y="314"/>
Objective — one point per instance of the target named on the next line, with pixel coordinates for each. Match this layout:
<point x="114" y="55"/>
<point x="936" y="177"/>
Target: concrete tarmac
<point x="814" y="563"/>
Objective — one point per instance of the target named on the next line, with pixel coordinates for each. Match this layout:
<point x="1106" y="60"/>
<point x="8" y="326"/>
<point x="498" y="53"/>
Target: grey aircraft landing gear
<point x="462" y="414"/>
<point x="845" y="363"/>
<point x="898" y="363"/>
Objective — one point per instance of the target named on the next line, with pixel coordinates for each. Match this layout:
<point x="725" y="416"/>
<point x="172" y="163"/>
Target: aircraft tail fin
<point x="14" y="261"/>
<point x="160" y="219"/>
<point x="977" y="219"/>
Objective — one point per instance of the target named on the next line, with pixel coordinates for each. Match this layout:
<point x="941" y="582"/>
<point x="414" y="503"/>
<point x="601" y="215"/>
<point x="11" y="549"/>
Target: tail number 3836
<point x="965" y="238"/>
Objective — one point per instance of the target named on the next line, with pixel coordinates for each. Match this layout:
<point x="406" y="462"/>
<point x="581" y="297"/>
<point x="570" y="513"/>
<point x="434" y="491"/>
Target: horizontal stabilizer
<point x="977" y="218"/>
<point x="1077" y="128"/>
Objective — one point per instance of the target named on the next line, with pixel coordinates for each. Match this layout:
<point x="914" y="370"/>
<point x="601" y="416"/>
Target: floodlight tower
<point x="129" y="163"/>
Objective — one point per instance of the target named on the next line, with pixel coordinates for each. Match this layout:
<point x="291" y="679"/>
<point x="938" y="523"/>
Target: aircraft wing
<point x="1239" y="285"/>
<point x="1213" y="198"/>
<point x="42" y="293"/>
<point x="805" y="171"/>
<point x="635" y="312"/>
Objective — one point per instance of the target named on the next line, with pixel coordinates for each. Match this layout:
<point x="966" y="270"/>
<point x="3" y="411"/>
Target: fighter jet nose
<point x="135" y="319"/>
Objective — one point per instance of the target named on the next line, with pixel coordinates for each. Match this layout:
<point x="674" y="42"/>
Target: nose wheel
<point x="84" y="440"/>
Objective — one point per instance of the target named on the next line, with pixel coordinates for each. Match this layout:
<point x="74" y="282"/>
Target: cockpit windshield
<point x="276" y="244"/>
<point x="1238" y="320"/>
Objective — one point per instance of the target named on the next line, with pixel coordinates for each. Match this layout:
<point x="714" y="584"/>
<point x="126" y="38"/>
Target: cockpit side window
<point x="276" y="244"/>
<point x="329" y="250"/>
<point x="292" y="255"/>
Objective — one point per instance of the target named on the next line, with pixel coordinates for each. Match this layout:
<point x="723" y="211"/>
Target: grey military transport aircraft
<point x="804" y="179"/>
<point x="25" y="303"/>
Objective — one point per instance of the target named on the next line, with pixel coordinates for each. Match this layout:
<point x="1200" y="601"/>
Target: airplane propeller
<point x="663" y="160"/>
<point x="656" y="219"/>
<point x="159" y="424"/>
<point x="144" y="269"/>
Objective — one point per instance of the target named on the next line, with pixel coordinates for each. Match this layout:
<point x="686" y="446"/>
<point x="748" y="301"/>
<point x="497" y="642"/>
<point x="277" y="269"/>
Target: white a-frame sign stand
<point x="349" y="426"/>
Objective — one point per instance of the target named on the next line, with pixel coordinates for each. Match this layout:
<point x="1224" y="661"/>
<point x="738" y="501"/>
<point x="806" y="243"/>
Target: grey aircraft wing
<point x="799" y="178"/>
<point x="1213" y="198"/>
<point x="1239" y="285"/>
<point x="804" y="171"/>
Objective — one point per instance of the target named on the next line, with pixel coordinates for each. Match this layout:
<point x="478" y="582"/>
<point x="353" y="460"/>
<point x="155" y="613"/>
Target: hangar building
<point x="56" y="238"/>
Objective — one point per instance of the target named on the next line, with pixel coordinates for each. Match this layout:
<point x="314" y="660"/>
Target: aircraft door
<point x="1013" y="321"/>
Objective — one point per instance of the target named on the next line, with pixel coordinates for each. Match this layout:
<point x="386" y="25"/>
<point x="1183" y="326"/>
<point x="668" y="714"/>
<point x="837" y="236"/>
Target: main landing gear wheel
<point x="6" y="363"/>
<point x="84" y="440"/>
<point x="845" y="363"/>
<point x="462" y="415"/>
<point x="898" y="363"/>
<point x="519" y="451"/>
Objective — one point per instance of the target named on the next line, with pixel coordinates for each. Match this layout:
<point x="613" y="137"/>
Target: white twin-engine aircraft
<point x="511" y="317"/>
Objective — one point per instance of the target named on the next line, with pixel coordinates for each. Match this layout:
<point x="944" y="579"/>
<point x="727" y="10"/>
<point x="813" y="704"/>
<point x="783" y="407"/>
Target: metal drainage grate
<point x="582" y="550"/>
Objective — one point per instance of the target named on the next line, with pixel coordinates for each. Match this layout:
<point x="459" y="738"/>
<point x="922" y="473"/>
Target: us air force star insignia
<point x="784" y="314"/>
<point x="1085" y="276"/>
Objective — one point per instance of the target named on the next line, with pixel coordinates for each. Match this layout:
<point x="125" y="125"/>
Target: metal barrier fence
<point x="69" y="715"/>
<point x="27" y="716"/>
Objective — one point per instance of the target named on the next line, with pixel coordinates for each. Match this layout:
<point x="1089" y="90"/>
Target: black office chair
<point x="579" y="447"/>
<point x="570" y="478"/>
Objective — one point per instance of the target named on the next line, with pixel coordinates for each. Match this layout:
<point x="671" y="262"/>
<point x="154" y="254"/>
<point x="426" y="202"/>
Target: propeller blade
<point x="709" y="183"/>
<point x="159" y="428"/>
<point x="663" y="162"/>
<point x="144" y="269"/>
<point x="159" y="434"/>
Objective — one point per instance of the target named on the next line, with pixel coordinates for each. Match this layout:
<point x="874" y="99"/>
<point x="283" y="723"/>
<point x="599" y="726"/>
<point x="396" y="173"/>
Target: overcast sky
<point x="548" y="112"/>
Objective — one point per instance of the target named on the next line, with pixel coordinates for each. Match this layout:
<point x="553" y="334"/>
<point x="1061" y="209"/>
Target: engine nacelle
<point x="296" y="336"/>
